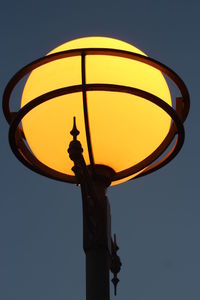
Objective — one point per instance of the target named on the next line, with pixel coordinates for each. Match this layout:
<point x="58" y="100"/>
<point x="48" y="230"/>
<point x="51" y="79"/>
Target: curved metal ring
<point x="30" y="161"/>
<point x="94" y="51"/>
<point x="182" y="110"/>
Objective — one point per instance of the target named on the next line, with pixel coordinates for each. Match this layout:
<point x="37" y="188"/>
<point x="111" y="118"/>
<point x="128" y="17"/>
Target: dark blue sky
<point x="156" y="218"/>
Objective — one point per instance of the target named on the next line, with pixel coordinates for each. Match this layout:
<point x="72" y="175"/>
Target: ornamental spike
<point x="74" y="132"/>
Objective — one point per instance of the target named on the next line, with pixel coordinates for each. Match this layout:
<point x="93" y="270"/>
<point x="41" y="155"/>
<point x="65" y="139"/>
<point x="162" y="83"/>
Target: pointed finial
<point x="74" y="132"/>
<point x="115" y="282"/>
<point x="115" y="264"/>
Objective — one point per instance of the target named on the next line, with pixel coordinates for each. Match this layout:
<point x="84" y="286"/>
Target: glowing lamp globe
<point x="124" y="129"/>
<point x="120" y="99"/>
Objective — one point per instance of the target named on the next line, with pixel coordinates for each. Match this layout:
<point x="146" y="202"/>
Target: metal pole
<point x="97" y="275"/>
<point x="97" y="242"/>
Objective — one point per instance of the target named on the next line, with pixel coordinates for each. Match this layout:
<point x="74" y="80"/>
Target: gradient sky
<point x="156" y="218"/>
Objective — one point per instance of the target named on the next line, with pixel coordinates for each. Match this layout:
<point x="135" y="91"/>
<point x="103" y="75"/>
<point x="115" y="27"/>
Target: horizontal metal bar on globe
<point x="93" y="51"/>
<point x="106" y="87"/>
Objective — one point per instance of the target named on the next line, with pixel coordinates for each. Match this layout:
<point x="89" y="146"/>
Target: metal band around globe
<point x="85" y="112"/>
<point x="93" y="51"/>
<point x="46" y="171"/>
<point x="28" y="159"/>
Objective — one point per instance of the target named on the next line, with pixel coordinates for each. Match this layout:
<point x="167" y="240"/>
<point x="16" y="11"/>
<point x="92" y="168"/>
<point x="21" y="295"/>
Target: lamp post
<point x="120" y="102"/>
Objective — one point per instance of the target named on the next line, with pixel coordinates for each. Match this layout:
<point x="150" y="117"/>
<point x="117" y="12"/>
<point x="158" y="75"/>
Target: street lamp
<point x="124" y="121"/>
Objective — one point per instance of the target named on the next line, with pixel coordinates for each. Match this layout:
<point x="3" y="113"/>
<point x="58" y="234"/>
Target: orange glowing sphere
<point x="124" y="128"/>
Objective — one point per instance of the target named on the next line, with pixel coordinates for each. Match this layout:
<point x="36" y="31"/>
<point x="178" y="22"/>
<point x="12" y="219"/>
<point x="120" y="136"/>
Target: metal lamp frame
<point x="17" y="138"/>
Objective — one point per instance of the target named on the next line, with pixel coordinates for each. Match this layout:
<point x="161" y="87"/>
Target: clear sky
<point x="156" y="218"/>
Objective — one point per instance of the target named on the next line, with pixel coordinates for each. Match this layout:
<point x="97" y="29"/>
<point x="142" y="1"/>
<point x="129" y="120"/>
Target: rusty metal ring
<point x="26" y="157"/>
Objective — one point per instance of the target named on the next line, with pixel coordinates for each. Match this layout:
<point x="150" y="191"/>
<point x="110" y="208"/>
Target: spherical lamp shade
<point x="124" y="128"/>
<point x="121" y="102"/>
